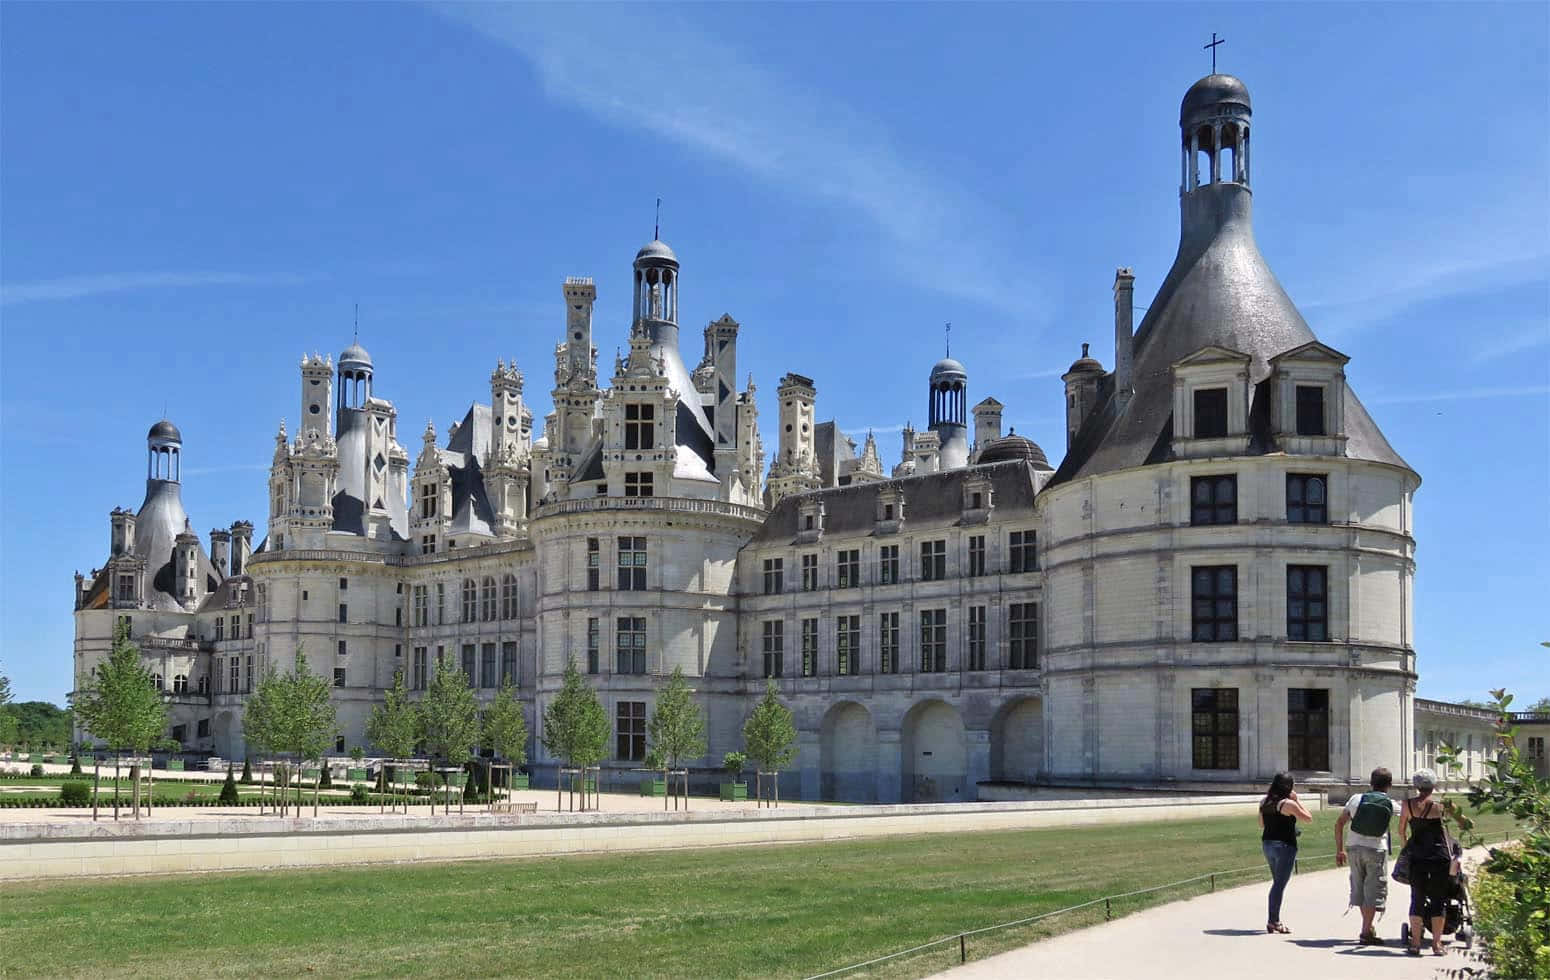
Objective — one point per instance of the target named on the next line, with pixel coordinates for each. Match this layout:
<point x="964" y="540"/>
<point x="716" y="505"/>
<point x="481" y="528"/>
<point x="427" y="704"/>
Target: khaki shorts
<point x="1369" y="877"/>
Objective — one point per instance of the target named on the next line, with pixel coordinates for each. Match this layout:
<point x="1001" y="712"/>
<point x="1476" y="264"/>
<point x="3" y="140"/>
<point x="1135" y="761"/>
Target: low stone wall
<point x="170" y="846"/>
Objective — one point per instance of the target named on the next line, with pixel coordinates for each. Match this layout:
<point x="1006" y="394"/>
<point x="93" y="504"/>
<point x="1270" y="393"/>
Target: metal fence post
<point x="1213" y="883"/>
<point x="963" y="950"/>
<point x="1108" y="910"/>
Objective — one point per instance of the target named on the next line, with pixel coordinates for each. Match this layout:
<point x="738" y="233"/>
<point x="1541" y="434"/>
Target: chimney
<point x="987" y="424"/>
<point x="220" y="551"/>
<point x="123" y="537"/>
<point x="241" y="546"/>
<point x="1124" y="333"/>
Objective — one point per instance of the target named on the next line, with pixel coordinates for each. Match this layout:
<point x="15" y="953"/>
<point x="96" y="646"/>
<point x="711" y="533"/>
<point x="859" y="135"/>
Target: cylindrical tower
<point x="656" y="292"/>
<point x="354" y="377"/>
<point x="949" y="413"/>
<point x="1214" y="124"/>
<point x="163" y="447"/>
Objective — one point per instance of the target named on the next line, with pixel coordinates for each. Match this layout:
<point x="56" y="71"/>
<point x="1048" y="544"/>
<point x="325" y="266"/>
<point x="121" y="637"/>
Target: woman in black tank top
<point x="1431" y="861"/>
<point x="1279" y="812"/>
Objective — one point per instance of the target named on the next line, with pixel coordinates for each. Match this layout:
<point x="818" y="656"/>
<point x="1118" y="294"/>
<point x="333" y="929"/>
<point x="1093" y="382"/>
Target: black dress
<point x="1430" y="859"/>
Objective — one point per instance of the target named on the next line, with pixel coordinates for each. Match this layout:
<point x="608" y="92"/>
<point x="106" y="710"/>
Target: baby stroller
<point x="1457" y="919"/>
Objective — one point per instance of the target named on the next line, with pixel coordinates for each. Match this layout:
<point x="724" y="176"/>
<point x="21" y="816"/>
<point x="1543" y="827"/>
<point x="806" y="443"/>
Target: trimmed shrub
<point x="37" y="770"/>
<point x="229" y="795"/>
<point x="359" y="795"/>
<point x="75" y="765"/>
<point x="426" y="780"/>
<point x="75" y="793"/>
<point x="247" y="772"/>
<point x="327" y="780"/>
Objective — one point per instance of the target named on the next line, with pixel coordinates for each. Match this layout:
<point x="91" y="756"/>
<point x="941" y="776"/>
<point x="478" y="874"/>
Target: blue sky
<point x="193" y="195"/>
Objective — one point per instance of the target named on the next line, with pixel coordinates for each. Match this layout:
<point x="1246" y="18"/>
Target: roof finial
<point x="355" y="336"/>
<point x="656" y="230"/>
<point x="1084" y="350"/>
<point x="1212" y="48"/>
<point x="949" y="339"/>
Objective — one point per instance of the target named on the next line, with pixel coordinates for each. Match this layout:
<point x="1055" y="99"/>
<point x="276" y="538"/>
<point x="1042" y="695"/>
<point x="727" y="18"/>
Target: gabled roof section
<point x="1213" y="354"/>
<point x="1311" y="351"/>
<point x="990" y="402"/>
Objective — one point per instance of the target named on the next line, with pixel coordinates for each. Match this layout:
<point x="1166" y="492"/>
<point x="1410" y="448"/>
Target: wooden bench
<point x="515" y="806"/>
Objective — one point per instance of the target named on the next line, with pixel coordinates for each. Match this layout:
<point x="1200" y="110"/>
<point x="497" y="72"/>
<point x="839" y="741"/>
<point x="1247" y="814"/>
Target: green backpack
<point x="1373" y="814"/>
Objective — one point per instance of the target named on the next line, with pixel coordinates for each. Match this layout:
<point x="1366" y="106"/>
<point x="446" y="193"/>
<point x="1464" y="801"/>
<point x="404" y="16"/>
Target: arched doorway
<point x="934" y="755"/>
<point x="1017" y="741"/>
<point x="847" y="743"/>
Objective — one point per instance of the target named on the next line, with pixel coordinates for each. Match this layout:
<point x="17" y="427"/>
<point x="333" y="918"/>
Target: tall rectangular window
<point x="1213" y="500"/>
<point x="235" y="667"/>
<point x="509" y="662"/>
<point x="847" y="569"/>
<point x="888" y="564"/>
<point x="470" y="601"/>
<point x="976" y="555"/>
<point x="470" y="664"/>
<point x="933" y="641"/>
<point x="338" y="674"/>
<point x="976" y="651"/>
<point x="427" y="544"/>
<point x="342" y="647"/>
<point x="594" y="563"/>
<point x="220" y="628"/>
<point x="933" y="560"/>
<point x="774" y="575"/>
<point x="430" y="497"/>
<point x="422" y="615"/>
<point x="509" y="596"/>
<point x="1306" y="501"/>
<point x="1307" y="606"/>
<point x="809" y="573"/>
<point x="1210" y="413"/>
<point x="594" y="639"/>
<point x="1022" y="633"/>
<point x="888" y="643"/>
<point x="638" y="485"/>
<point x="774" y="648"/>
<point x="487" y="594"/>
<point x="809" y="647"/>
<point x="1214" y="727"/>
<point x="344" y="584"/>
<point x="630" y="651"/>
<point x="247" y="677"/>
<point x="630" y="730"/>
<point x="487" y="676"/>
<point x="1310" y="410"/>
<point x="847" y="645"/>
<point x="417" y="672"/>
<point x="640" y="427"/>
<point x="236" y="627"/>
<point x="1307" y="729"/>
<point x="632" y="564"/>
<point x="1214" y="603"/>
<point x="441" y="603"/>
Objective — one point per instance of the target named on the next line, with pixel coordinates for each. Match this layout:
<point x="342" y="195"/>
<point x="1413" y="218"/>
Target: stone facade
<point x="1215" y="584"/>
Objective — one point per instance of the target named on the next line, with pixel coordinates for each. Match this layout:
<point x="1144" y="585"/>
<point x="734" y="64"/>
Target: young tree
<point x="394" y="725"/>
<point x="8" y="725"/>
<point x="449" y="716"/>
<point x="769" y="734"/>
<point x="677" y="727"/>
<point x="292" y="714"/>
<point x="575" y="725"/>
<point x="121" y="707"/>
<point x="505" y="727"/>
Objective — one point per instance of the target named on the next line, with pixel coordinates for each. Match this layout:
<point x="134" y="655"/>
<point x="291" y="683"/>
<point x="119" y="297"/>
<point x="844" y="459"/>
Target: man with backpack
<point x="1369" y="815"/>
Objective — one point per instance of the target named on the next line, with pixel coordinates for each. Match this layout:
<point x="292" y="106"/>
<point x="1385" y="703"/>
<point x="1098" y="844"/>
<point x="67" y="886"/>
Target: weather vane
<point x="656" y="231"/>
<point x="949" y="338"/>
<point x="1212" y="48"/>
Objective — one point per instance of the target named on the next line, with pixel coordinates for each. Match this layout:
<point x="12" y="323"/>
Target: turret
<point x="987" y="424"/>
<point x="123" y="536"/>
<point x="948" y="406"/>
<point x="505" y="473"/>
<point x="796" y="464"/>
<point x="163" y="450"/>
<point x="580" y="357"/>
<point x="186" y="561"/>
<point x="317" y="392"/>
<point x="1081" y="392"/>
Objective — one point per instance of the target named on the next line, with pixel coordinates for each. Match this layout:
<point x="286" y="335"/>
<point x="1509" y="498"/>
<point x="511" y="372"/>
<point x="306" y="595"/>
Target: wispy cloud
<point x="80" y="287"/>
<point x="233" y="468"/>
<point x="1514" y="342"/>
<point x="713" y="98"/>
<point x="1463" y="394"/>
<point x="1421" y="284"/>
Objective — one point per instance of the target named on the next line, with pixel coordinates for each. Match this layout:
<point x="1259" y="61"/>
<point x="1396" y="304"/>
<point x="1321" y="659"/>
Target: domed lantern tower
<point x="948" y="412"/>
<point x="1214" y="123"/>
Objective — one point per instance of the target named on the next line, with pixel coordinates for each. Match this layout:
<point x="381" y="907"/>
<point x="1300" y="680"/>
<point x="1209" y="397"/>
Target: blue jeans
<point x="1280" y="856"/>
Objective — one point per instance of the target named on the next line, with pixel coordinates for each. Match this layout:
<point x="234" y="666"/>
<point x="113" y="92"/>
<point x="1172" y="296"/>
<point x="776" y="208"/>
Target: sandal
<point x="1412" y="951"/>
<point x="1276" y="927"/>
<point x="1439" y="951"/>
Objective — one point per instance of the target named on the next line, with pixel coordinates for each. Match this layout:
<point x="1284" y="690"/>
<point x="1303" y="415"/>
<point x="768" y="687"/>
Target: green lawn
<point x="744" y="911"/>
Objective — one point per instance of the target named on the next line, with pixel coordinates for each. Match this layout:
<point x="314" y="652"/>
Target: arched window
<point x="489" y="598"/>
<point x="470" y="600"/>
<point x="180" y="684"/>
<point x="509" y="596"/>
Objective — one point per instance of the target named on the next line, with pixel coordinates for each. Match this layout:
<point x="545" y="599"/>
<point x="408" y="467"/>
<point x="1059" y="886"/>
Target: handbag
<point x="1401" y="872"/>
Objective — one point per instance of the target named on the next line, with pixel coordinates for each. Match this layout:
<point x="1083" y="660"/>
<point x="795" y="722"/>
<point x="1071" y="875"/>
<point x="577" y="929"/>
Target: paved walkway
<point x="1223" y="936"/>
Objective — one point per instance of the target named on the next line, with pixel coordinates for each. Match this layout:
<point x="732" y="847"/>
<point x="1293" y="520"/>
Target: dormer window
<point x="1211" y="403"/>
<point x="638" y="485"/>
<point x="1307" y="400"/>
<point x="430" y="497"/>
<point x="639" y="426"/>
<point x="978" y="499"/>
<point x="889" y="512"/>
<point x="810" y="521"/>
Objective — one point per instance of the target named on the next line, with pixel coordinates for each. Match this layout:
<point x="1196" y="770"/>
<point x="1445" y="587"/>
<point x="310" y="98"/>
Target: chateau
<point x="1215" y="583"/>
